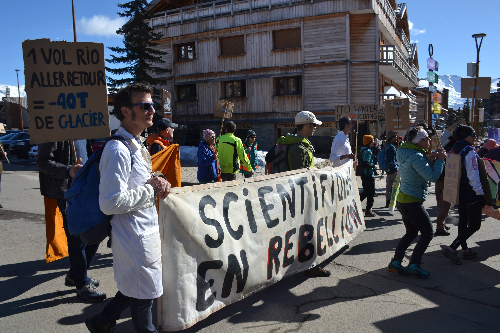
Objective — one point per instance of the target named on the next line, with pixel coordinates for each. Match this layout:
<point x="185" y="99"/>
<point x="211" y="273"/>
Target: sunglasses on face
<point x="146" y="106"/>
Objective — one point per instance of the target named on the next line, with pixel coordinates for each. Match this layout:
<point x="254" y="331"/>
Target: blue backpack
<point x="85" y="218"/>
<point x="382" y="163"/>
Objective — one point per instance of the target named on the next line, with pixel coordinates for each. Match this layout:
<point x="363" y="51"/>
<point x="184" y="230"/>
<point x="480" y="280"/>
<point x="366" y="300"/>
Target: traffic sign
<point x="432" y="77"/>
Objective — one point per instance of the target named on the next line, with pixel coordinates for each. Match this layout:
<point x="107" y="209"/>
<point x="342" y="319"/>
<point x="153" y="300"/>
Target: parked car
<point x="18" y="136"/>
<point x="20" y="147"/>
<point x="33" y="153"/>
<point x="7" y="136"/>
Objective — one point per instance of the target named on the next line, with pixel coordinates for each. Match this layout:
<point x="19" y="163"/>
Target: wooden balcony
<point x="396" y="67"/>
<point x="389" y="13"/>
<point x="404" y="40"/>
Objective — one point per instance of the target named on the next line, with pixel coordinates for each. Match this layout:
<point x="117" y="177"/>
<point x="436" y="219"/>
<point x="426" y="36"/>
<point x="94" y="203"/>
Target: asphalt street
<point x="360" y="296"/>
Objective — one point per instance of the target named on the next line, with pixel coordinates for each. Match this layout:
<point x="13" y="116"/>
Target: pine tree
<point x="139" y="55"/>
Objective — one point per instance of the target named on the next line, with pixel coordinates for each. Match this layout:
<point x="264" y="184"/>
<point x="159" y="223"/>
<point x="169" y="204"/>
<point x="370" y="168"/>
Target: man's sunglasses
<point x="145" y="106"/>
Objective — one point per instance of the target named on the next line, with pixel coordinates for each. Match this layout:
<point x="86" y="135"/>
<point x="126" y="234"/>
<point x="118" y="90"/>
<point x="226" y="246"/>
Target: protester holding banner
<point x="57" y="166"/>
<point x="208" y="161"/>
<point x="129" y="194"/>
<point x="368" y="175"/>
<point x="161" y="140"/>
<point x="340" y="152"/>
<point x="471" y="195"/>
<point x="416" y="173"/>
<point x="392" y="163"/>
<point x="250" y="145"/>
<point x="231" y="153"/>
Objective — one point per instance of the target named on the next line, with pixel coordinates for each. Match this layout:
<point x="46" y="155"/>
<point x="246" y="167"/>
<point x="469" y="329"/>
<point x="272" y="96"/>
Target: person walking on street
<point x="341" y="153"/>
<point x="161" y="140"/>
<point x="368" y="175"/>
<point x="471" y="195"/>
<point x="392" y="163"/>
<point x="416" y="173"/>
<point x="129" y="194"/>
<point x="208" y="161"/>
<point x="250" y="145"/>
<point x="231" y="153"/>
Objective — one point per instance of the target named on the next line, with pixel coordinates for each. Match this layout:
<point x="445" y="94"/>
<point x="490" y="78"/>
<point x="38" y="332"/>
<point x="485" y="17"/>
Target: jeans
<point x="469" y="221"/>
<point x="140" y="309"/>
<point x="389" y="184"/>
<point x="368" y="190"/>
<point x="227" y="177"/>
<point x="416" y="219"/>
<point x="80" y="255"/>
<point x="443" y="207"/>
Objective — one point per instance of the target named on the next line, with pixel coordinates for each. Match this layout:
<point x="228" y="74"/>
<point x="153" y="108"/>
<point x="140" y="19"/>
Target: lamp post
<point x="19" y="99"/>
<point x="476" y="103"/>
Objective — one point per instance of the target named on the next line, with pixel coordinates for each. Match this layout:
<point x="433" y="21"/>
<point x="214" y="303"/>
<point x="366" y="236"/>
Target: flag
<point x="168" y="162"/>
<point x="57" y="243"/>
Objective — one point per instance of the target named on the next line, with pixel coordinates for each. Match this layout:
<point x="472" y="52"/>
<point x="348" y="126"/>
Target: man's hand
<point x="441" y="154"/>
<point x="75" y="168"/>
<point x="350" y="156"/>
<point x="355" y="163"/>
<point x="160" y="185"/>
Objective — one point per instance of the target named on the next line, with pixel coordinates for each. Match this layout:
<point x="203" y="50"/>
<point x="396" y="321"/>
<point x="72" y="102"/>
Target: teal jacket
<point x="251" y="151"/>
<point x="300" y="155"/>
<point x="415" y="170"/>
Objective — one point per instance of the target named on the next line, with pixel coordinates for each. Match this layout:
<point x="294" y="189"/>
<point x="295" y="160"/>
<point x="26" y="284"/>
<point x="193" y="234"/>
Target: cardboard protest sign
<point x="397" y="118"/>
<point x="357" y="112"/>
<point x="452" y="173"/>
<point x="225" y="241"/>
<point x="476" y="87"/>
<point x="224" y="109"/>
<point x="166" y="104"/>
<point x="66" y="89"/>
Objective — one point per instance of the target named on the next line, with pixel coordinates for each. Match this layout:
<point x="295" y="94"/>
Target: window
<point x="234" y="89"/>
<point x="185" y="52"/>
<point x="232" y="45"/>
<point x="286" y="39"/>
<point x="289" y="85"/>
<point x="186" y="92"/>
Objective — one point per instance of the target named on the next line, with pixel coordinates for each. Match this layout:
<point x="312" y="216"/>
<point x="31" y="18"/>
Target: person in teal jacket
<point x="368" y="176"/>
<point x="416" y="172"/>
<point x="250" y="145"/>
<point x="231" y="152"/>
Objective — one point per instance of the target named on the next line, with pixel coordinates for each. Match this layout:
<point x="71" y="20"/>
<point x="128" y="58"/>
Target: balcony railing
<point x="402" y="35"/>
<point x="391" y="56"/>
<point x="388" y="11"/>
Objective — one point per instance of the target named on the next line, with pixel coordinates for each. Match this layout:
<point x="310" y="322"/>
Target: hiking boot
<point x="441" y="232"/>
<point x="415" y="269"/>
<point x="317" y="272"/>
<point x="370" y="213"/>
<point x="396" y="267"/>
<point x="70" y="282"/>
<point x="450" y="254"/>
<point x="387" y="203"/>
<point x="90" y="293"/>
<point x="97" y="324"/>
<point x="468" y="254"/>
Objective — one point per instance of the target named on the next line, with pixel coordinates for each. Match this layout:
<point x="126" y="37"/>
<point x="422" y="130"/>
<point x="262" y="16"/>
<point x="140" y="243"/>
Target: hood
<point x="459" y="146"/>
<point x="293" y="138"/>
<point x="408" y="149"/>
<point x="152" y="138"/>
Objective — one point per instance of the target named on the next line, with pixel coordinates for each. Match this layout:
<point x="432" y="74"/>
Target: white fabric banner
<point x="224" y="241"/>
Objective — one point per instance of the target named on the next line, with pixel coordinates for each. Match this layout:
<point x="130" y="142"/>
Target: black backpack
<point x="277" y="158"/>
<point x="360" y="168"/>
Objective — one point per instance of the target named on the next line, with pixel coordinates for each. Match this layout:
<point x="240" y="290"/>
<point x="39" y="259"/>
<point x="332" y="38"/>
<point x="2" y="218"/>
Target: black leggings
<point x="368" y="190"/>
<point x="416" y="219"/>
<point x="469" y="221"/>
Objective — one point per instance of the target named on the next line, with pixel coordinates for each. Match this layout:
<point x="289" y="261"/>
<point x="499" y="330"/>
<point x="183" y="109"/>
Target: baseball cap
<point x="164" y="124"/>
<point x="306" y="117"/>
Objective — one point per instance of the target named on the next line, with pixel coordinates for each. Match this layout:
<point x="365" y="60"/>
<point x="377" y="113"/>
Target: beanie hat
<point x="462" y="132"/>
<point x="367" y="139"/>
<point x="251" y="133"/>
<point x="490" y="144"/>
<point x="390" y="135"/>
<point x="207" y="134"/>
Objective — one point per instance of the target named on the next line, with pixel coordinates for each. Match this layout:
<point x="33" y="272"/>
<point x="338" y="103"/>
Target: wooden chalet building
<point x="274" y="58"/>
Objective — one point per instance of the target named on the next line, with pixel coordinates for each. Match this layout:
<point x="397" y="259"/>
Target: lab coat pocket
<point x="151" y="245"/>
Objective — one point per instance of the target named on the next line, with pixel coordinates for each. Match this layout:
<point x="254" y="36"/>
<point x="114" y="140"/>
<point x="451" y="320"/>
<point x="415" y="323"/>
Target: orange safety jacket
<point x="155" y="138"/>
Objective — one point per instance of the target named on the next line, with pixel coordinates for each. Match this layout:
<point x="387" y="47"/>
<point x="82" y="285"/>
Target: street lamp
<point x="476" y="103"/>
<point x="19" y="99"/>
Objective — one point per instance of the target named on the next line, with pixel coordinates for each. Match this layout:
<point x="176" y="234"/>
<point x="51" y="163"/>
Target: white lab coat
<point x="340" y="146"/>
<point x="135" y="235"/>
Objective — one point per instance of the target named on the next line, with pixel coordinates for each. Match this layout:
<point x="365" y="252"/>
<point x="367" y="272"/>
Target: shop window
<point x="289" y="86"/>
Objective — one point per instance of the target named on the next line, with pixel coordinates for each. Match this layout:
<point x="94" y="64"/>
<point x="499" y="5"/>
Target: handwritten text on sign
<point x="357" y="112"/>
<point x="66" y="89"/>
<point x="224" y="242"/>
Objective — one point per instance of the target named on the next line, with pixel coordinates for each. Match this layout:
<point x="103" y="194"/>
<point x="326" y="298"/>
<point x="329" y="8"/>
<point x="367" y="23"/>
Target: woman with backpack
<point x="368" y="174"/>
<point x="416" y="172"/>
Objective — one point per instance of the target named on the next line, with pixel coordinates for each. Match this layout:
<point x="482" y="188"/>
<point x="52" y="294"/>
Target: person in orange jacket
<point x="161" y="140"/>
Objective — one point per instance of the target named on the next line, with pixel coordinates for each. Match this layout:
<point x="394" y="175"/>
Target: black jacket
<point x="54" y="161"/>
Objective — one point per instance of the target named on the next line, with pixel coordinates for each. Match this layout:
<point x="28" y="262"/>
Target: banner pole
<point x="356" y="152"/>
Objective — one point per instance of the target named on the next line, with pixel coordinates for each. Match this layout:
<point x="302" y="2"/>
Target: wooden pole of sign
<point x="2" y="151"/>
<point x="74" y="22"/>
<point x="356" y="148"/>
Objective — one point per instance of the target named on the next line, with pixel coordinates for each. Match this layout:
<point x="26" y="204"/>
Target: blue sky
<point x="447" y="24"/>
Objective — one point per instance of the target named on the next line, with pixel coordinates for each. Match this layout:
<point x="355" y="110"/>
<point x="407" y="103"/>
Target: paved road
<point x="360" y="296"/>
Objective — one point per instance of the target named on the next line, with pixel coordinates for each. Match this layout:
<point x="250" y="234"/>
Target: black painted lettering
<point x="319" y="239"/>
<point x="65" y="62"/>
<point x="202" y="286"/>
<point x="79" y="57"/>
<point x="266" y="207"/>
<point x="305" y="249"/>
<point x="212" y="243"/>
<point x="287" y="261"/>
<point x="234" y="270"/>
<point x="45" y="57"/>
<point x="32" y="53"/>
<point x="285" y="196"/>
<point x="250" y="216"/>
<point x="94" y="56"/>
<point x="39" y="122"/>
<point x="34" y="79"/>
<point x="301" y="182"/>
<point x="273" y="256"/>
<point x="334" y="221"/>
<point x="228" y="198"/>
<point x="315" y="192"/>
<point x="322" y="178"/>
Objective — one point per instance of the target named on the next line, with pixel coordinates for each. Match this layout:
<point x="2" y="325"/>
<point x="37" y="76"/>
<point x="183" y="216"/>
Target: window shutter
<point x="286" y="39"/>
<point x="232" y="45"/>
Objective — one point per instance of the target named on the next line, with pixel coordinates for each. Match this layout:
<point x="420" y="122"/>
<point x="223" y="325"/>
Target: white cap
<point x="306" y="117"/>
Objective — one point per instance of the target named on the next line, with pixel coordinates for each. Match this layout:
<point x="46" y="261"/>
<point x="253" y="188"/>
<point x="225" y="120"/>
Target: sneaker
<point x="90" y="293"/>
<point x="396" y="267"/>
<point x="70" y="282"/>
<point x="441" y="232"/>
<point x="468" y="254"/>
<point x="450" y="254"/>
<point x="97" y="324"/>
<point x="370" y="213"/>
<point x="415" y="269"/>
<point x="317" y="272"/>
